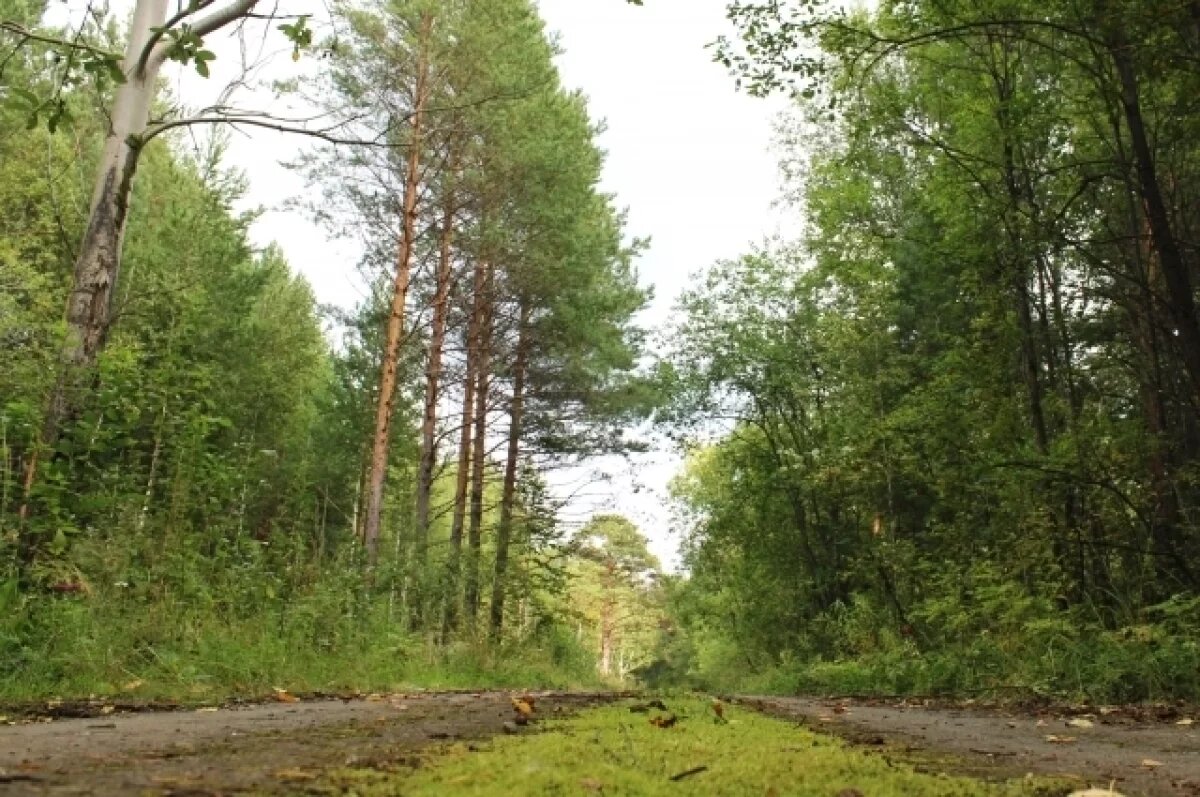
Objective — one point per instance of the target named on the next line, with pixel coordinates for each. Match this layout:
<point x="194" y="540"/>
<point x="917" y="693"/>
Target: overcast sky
<point x="686" y="154"/>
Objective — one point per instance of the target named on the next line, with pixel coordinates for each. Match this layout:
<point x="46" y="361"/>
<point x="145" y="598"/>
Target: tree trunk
<point x="479" y="464"/>
<point x="89" y="306"/>
<point x="462" y="475"/>
<point x="381" y="439"/>
<point x="1181" y="303"/>
<point x="509" y="493"/>
<point x="433" y="375"/>
<point x="608" y="610"/>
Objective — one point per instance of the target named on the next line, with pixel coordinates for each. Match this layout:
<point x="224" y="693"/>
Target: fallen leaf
<point x="136" y="683"/>
<point x="1150" y="763"/>
<point x="1185" y="721"/>
<point x="1080" y="722"/>
<point x="1096" y="793"/>
<point x="106" y="710"/>
<point x="1041" y="723"/>
<point x="206" y="709"/>
<point x="523" y="707"/>
<point x="1055" y="739"/>
<point x="825" y="718"/>
<point x="283" y="696"/>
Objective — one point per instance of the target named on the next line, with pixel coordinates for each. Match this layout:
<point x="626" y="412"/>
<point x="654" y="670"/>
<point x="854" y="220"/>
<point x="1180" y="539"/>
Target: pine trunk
<point x="381" y="440"/>
<point x="509" y="492"/>
<point x="479" y="464"/>
<point x="433" y="376"/>
<point x="463" y="472"/>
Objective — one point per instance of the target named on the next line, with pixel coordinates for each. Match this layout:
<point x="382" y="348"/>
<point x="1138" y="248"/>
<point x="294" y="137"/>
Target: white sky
<point x="687" y="155"/>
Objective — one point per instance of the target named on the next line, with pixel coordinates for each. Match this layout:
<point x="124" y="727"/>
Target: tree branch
<point x="156" y="50"/>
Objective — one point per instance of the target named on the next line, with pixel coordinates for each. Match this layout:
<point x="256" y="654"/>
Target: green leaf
<point x="202" y="57"/>
<point x="31" y="99"/>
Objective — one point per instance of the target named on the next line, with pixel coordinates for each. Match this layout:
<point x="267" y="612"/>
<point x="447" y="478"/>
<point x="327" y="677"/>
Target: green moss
<point x="611" y="751"/>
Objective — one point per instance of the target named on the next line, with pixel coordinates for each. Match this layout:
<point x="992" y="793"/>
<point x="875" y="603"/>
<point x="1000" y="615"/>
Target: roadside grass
<point x="612" y="751"/>
<point x="172" y="652"/>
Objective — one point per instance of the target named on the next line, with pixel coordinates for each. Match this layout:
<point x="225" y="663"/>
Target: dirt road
<point x="1146" y="756"/>
<point x="275" y="747"/>
<point x="281" y="747"/>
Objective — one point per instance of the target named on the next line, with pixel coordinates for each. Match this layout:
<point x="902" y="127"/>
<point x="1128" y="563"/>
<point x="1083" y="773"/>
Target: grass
<point x="612" y="751"/>
<point x="168" y="651"/>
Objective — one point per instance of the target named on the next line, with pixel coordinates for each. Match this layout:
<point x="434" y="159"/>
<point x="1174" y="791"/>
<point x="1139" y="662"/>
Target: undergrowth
<point x="1005" y="654"/>
<point x="196" y="635"/>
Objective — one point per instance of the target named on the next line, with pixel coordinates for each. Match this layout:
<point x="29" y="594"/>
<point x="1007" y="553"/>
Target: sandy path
<point x="1009" y="743"/>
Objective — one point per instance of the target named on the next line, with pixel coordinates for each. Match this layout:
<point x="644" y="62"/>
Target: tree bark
<point x="478" y="465"/>
<point x="433" y="374"/>
<point x="508" y="495"/>
<point x="1181" y="303"/>
<point x="381" y="440"/>
<point x="89" y="305"/>
<point x="463" y="473"/>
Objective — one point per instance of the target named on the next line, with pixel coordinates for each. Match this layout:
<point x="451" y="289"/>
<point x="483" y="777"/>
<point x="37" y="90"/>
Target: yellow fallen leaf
<point x="1185" y="721"/>
<point x="1150" y="763"/>
<point x="1080" y="722"/>
<point x="106" y="710"/>
<point x="283" y="696"/>
<point x="1055" y="739"/>
<point x="136" y="683"/>
<point x="523" y="707"/>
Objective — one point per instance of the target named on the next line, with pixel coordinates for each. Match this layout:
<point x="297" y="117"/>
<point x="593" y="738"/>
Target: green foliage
<point x="194" y="527"/>
<point x="956" y="445"/>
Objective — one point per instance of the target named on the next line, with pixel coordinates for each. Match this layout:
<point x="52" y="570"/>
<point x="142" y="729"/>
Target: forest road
<point x="269" y="748"/>
<point x="1138" y="753"/>
<point x="281" y="747"/>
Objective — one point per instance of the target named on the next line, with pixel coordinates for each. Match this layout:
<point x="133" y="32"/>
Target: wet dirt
<point x="1139" y="753"/>
<point x="272" y="748"/>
